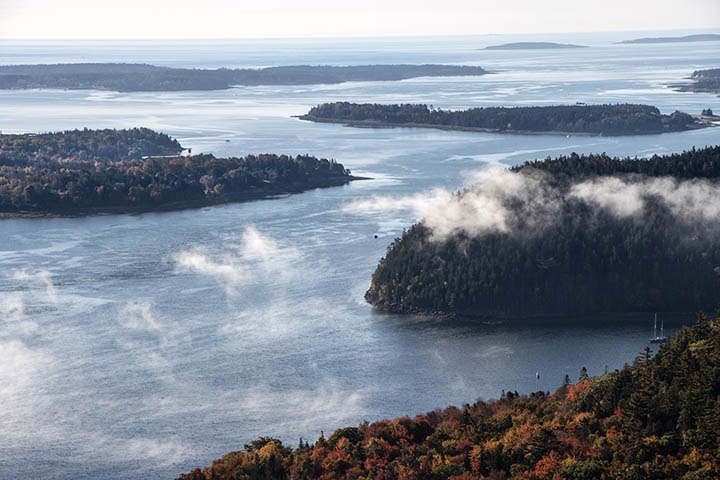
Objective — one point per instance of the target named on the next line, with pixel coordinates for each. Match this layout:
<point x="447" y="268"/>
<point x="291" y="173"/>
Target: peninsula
<point x="533" y="46"/>
<point x="620" y="119"/>
<point x="707" y="81"/>
<point x="575" y="235"/>
<point x="706" y="37"/>
<point x="96" y="172"/>
<point x="132" y="77"/>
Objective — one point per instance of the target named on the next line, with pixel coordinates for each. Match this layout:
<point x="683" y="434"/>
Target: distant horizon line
<point x="349" y="37"/>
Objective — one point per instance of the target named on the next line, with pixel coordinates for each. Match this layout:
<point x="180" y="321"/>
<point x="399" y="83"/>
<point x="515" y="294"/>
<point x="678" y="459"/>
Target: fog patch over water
<point x="21" y="370"/>
<point x="153" y="342"/>
<point x="327" y="404"/>
<point x="48" y="399"/>
<point x="39" y="277"/>
<point x="13" y="320"/>
<point x="43" y="394"/>
<point x="242" y="270"/>
<point x="421" y="204"/>
<point x="165" y="452"/>
<point x="241" y="263"/>
<point x="258" y="317"/>
<point x="24" y="366"/>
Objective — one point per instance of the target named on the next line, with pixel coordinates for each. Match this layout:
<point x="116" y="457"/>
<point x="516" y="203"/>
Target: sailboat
<point x="655" y="338"/>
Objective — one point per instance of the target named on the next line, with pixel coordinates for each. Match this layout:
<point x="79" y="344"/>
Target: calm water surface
<point x="142" y="346"/>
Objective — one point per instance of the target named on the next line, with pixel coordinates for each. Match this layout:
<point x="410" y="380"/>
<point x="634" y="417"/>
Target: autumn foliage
<point x="86" y="171"/>
<point x="656" y="419"/>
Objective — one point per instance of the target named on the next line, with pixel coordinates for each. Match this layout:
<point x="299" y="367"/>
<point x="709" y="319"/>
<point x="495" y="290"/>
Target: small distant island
<point x="620" y="119"/>
<point x="705" y="37"/>
<point x="131" y="77"/>
<point x="91" y="172"/>
<point x="707" y="81"/>
<point x="533" y="46"/>
<point x="576" y="235"/>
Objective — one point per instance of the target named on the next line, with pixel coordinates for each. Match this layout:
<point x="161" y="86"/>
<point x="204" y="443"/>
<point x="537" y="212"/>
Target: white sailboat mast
<point x="655" y="327"/>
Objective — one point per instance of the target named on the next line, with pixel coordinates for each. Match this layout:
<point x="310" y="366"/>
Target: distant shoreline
<point x="533" y="46"/>
<point x="703" y="37"/>
<point x="137" y="77"/>
<point x="703" y="81"/>
<point x="381" y="124"/>
<point x="236" y="197"/>
<point x="695" y="88"/>
<point x="491" y="318"/>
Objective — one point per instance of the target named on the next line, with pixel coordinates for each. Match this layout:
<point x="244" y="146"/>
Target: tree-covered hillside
<point x="105" y="171"/>
<point x="76" y="147"/>
<point x="656" y="419"/>
<point x="695" y="163"/>
<point x="620" y="119"/>
<point x="574" y="235"/>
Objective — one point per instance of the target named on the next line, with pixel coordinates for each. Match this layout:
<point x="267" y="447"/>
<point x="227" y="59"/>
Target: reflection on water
<point x="157" y="342"/>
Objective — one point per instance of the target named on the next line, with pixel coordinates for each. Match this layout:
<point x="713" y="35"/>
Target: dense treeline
<point x="656" y="419"/>
<point x="581" y="259"/>
<point x="130" y="77"/>
<point x="75" y="147"/>
<point x="695" y="163"/>
<point x="704" y="81"/>
<point x="87" y="171"/>
<point x="711" y="72"/>
<point x="621" y="119"/>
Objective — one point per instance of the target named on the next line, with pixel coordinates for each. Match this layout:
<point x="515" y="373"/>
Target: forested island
<point x="703" y="81"/>
<point x="533" y="46"/>
<point x="704" y="37"/>
<point x="130" y="77"/>
<point x="83" y="172"/>
<point x="620" y="119"/>
<point x="656" y="419"/>
<point x="570" y="236"/>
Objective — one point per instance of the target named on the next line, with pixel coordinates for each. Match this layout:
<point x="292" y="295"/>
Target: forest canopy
<point x="106" y="171"/>
<point x="620" y="119"/>
<point x="84" y="147"/>
<point x="656" y="419"/>
<point x="132" y="77"/>
<point x="566" y="236"/>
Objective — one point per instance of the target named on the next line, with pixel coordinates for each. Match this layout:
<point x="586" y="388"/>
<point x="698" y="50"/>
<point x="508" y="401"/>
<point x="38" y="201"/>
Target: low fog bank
<point x="527" y="202"/>
<point x="128" y="380"/>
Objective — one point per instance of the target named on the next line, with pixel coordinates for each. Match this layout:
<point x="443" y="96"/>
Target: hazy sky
<point x="306" y="18"/>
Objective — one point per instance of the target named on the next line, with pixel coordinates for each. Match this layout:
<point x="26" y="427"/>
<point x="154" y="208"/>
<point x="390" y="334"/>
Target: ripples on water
<point x="158" y="342"/>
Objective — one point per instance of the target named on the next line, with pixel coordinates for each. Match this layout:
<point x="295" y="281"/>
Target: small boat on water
<point x="661" y="338"/>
